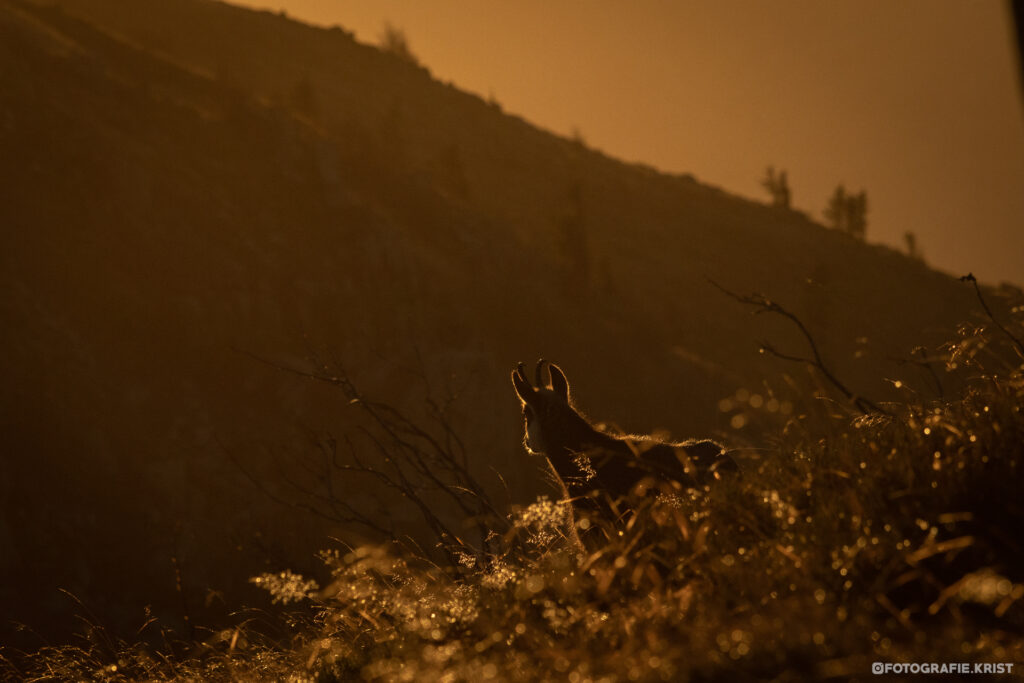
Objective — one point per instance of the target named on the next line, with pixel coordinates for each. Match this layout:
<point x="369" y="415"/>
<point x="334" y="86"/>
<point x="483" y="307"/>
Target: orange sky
<point x="915" y="101"/>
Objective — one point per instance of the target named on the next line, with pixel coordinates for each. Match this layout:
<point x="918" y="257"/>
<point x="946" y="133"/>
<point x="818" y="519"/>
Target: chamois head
<point x="553" y="427"/>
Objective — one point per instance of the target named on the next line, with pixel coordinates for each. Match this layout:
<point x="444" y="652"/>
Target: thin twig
<point x="925" y="364"/>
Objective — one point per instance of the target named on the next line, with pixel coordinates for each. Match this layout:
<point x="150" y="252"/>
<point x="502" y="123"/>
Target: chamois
<point x="594" y="468"/>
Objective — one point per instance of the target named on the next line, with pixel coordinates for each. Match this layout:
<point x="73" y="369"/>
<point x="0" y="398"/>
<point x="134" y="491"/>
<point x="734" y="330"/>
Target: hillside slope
<point x="526" y="180"/>
<point x="187" y="183"/>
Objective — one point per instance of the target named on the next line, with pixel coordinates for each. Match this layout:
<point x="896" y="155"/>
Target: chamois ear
<point x="521" y="384"/>
<point x="559" y="384"/>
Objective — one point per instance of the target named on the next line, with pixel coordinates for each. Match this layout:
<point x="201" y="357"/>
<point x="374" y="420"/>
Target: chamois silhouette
<point x="595" y="469"/>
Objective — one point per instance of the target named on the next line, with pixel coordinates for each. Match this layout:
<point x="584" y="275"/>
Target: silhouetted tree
<point x="857" y="215"/>
<point x="848" y="212"/>
<point x="777" y="185"/>
<point x="572" y="246"/>
<point x="492" y="101"/>
<point x="393" y="41"/>
<point x="913" y="250"/>
<point x="577" y="137"/>
<point x="835" y="211"/>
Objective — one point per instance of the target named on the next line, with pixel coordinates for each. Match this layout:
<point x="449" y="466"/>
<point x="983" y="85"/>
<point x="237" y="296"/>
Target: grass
<point x="849" y="539"/>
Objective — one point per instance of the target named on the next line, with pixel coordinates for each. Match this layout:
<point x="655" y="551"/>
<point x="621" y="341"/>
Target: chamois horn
<point x="539" y="374"/>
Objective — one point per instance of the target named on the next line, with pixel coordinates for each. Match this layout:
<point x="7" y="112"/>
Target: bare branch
<point x="298" y="505"/>
<point x="763" y="304"/>
<point x="417" y="463"/>
<point x="988" y="311"/>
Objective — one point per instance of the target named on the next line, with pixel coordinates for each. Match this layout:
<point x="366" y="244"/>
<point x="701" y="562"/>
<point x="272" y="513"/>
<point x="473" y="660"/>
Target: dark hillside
<point x="523" y="180"/>
<point x="636" y="220"/>
<point x="183" y="183"/>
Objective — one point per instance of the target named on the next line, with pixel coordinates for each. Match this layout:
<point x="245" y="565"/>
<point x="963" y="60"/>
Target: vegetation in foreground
<point x="890" y="535"/>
